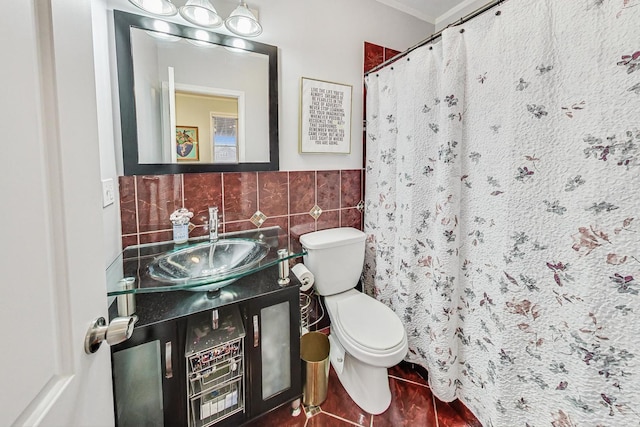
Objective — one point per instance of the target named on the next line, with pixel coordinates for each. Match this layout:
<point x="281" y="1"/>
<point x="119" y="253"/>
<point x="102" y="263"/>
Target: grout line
<point x="408" y="381"/>
<point x="182" y="187"/>
<point x="135" y="193"/>
<point x="304" y="414"/>
<point x="326" y="327"/>
<point x="315" y="193"/>
<point x="289" y="248"/>
<point x="221" y="208"/>
<point x="257" y="194"/>
<point x="145" y="233"/>
<point x="435" y="409"/>
<point x="361" y="186"/>
<point x="340" y="198"/>
<point x="340" y="191"/>
<point x="340" y="418"/>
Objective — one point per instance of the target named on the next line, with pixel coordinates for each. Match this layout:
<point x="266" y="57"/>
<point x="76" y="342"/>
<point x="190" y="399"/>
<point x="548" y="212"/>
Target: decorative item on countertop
<point x="180" y="220"/>
<point x="283" y="267"/>
<point x="126" y="302"/>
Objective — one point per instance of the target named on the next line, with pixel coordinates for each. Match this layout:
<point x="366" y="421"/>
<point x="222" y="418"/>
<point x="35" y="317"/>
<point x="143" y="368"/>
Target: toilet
<point x="367" y="337"/>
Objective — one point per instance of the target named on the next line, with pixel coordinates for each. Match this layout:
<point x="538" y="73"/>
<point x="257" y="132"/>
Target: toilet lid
<point x="370" y="323"/>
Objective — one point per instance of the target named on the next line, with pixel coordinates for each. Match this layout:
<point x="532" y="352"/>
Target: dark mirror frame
<point x="123" y="22"/>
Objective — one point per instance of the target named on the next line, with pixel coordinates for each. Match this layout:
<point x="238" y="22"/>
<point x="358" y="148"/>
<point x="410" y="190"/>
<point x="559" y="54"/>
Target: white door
<point x="51" y="268"/>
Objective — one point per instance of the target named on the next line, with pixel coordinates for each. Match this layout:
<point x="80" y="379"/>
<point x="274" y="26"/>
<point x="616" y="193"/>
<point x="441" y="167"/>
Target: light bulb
<point x="153" y="6"/>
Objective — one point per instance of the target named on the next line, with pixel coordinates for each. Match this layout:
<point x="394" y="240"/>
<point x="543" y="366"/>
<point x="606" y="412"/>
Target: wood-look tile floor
<point x="412" y="404"/>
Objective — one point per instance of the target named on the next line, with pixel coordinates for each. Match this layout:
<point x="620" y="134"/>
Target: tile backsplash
<point x="298" y="202"/>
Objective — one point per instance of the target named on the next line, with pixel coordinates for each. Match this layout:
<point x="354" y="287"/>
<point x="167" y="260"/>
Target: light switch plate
<point x="108" y="192"/>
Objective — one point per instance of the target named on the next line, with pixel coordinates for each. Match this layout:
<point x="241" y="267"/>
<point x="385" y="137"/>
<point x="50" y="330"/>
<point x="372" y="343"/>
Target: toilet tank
<point x="335" y="257"/>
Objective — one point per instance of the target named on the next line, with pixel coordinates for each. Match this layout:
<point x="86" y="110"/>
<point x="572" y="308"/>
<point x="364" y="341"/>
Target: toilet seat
<point x="366" y="323"/>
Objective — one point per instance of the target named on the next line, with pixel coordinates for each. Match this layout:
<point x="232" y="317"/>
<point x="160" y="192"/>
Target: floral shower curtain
<point x="502" y="211"/>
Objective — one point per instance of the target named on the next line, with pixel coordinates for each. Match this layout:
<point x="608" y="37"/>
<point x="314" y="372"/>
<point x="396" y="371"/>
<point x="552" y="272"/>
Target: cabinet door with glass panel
<point x="149" y="378"/>
<point x="273" y="350"/>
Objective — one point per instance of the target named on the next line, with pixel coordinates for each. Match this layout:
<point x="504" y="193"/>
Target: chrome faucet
<point x="213" y="224"/>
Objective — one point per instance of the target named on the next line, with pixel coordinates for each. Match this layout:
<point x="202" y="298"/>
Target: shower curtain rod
<point x="434" y="36"/>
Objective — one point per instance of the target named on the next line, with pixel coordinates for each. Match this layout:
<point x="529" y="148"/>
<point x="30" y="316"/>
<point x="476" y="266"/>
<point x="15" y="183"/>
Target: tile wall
<point x="375" y="55"/>
<point x="298" y="202"/>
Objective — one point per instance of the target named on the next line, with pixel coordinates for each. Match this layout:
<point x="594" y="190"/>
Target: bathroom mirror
<point x="193" y="100"/>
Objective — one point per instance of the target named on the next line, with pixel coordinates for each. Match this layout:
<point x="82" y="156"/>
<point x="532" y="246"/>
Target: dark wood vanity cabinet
<point x="272" y="344"/>
<point x="150" y="378"/>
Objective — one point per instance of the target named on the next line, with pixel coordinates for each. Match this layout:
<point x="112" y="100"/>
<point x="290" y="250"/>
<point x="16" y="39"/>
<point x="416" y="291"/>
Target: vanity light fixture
<point x="243" y="22"/>
<point x="238" y="45"/>
<point x="202" y="13"/>
<point x="161" y="31"/>
<point x="202" y="39"/>
<point x="156" y="7"/>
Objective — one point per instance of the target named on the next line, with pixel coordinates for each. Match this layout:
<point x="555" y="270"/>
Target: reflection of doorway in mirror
<point x="224" y="128"/>
<point x="198" y="106"/>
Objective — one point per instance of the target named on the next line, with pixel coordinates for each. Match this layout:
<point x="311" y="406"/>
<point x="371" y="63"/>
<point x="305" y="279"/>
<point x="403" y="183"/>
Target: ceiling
<point x="431" y="11"/>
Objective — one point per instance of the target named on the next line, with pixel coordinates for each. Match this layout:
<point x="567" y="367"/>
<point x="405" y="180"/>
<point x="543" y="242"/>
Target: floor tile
<point x="465" y="413"/>
<point x="326" y="420"/>
<point x="448" y="417"/>
<point x="404" y="371"/>
<point x="280" y="417"/>
<point x="339" y="403"/>
<point x="411" y="405"/>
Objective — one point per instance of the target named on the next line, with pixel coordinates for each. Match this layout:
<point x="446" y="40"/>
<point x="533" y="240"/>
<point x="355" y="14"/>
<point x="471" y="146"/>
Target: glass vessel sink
<point x="165" y="266"/>
<point x="208" y="263"/>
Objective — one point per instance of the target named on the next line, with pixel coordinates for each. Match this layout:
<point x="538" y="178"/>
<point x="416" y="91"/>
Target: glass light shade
<point x="202" y="43"/>
<point x="156" y="7"/>
<point x="202" y="13"/>
<point x="163" y="36"/>
<point x="242" y="22"/>
<point x="201" y="39"/>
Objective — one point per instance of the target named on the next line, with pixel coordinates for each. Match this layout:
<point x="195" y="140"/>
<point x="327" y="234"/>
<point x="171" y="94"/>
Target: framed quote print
<point x="325" y="117"/>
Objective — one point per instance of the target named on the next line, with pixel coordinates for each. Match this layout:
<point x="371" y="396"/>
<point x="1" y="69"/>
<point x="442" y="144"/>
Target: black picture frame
<point x="123" y="22"/>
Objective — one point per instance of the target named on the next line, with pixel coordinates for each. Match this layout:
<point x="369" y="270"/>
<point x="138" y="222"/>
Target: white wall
<point x="455" y="13"/>
<point x="321" y="39"/>
<point x="109" y="155"/>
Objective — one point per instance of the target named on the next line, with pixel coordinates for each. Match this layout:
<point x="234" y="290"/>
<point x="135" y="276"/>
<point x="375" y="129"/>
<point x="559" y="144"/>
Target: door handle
<point x="168" y="364"/>
<point x="119" y="330"/>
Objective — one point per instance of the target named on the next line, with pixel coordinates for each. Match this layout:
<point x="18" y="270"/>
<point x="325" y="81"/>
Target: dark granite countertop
<point x="159" y="307"/>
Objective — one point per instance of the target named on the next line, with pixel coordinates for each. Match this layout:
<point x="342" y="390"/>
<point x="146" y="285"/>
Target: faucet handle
<point x="214" y="223"/>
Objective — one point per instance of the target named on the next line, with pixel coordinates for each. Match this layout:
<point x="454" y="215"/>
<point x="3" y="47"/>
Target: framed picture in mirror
<point x="187" y="143"/>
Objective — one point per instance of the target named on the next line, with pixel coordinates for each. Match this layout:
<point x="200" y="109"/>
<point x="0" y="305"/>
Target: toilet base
<point x="367" y="385"/>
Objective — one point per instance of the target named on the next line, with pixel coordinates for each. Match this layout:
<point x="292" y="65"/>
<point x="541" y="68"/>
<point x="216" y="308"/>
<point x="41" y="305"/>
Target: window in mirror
<point x="226" y="147"/>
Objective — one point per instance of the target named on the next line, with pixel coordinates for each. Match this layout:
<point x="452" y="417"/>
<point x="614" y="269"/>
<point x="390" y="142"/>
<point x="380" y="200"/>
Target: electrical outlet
<point x="108" y="192"/>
